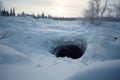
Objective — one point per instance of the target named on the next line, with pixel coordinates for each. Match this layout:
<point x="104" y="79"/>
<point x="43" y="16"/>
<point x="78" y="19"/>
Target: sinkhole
<point x="69" y="50"/>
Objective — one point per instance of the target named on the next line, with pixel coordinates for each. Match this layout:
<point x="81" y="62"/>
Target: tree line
<point x="4" y="12"/>
<point x="98" y="10"/>
<point x="42" y="15"/>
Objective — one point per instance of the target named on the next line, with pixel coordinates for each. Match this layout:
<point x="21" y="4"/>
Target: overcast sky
<point x="67" y="8"/>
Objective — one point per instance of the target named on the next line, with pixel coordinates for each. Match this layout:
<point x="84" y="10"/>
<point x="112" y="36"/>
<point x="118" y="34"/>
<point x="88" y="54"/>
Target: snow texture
<point x="26" y="44"/>
<point x="9" y="55"/>
<point x="107" y="70"/>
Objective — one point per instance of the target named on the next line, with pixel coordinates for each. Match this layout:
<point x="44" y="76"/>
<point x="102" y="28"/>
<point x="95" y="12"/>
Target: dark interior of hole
<point x="71" y="51"/>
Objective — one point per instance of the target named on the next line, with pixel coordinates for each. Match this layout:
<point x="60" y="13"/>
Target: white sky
<point x="67" y="8"/>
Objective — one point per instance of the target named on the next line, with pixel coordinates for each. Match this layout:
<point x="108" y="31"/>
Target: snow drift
<point x="106" y="70"/>
<point x="34" y="40"/>
<point x="10" y="56"/>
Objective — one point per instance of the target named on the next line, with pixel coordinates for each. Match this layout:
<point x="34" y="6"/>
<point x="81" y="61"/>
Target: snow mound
<point x="107" y="70"/>
<point x="9" y="55"/>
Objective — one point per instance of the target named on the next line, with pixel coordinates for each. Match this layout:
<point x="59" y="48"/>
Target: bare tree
<point x="117" y="8"/>
<point x="93" y="10"/>
<point x="89" y="13"/>
<point x="103" y="10"/>
<point x="97" y="7"/>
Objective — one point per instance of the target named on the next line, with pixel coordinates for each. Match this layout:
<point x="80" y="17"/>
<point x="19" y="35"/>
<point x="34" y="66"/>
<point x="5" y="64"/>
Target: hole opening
<point x="69" y="50"/>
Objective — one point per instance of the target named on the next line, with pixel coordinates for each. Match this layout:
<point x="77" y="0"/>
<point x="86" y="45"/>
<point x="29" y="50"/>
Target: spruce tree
<point x="13" y="12"/>
<point x="42" y="15"/>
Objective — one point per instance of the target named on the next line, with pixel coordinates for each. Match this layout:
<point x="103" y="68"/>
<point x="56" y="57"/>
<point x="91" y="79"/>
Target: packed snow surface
<point x="26" y="46"/>
<point x="107" y="70"/>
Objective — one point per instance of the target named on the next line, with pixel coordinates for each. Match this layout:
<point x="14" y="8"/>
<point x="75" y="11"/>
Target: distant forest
<point x="96" y="11"/>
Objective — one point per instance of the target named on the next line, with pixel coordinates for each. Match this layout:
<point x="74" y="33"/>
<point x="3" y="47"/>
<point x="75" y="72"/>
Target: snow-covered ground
<point x="25" y="52"/>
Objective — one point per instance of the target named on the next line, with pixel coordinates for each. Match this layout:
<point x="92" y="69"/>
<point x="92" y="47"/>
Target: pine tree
<point x="42" y="15"/>
<point x="49" y="16"/>
<point x="38" y="16"/>
<point x="3" y="12"/>
<point x="13" y="12"/>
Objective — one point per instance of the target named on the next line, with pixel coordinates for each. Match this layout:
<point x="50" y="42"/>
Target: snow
<point x="106" y="70"/>
<point x="9" y="55"/>
<point x="26" y="53"/>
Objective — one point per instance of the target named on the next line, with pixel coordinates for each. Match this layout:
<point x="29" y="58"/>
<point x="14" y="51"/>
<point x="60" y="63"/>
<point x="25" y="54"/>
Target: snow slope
<point x="9" y="55"/>
<point x="31" y="41"/>
<point x="107" y="70"/>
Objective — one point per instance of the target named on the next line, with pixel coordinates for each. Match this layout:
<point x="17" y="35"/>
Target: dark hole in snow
<point x="115" y="38"/>
<point x="71" y="51"/>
